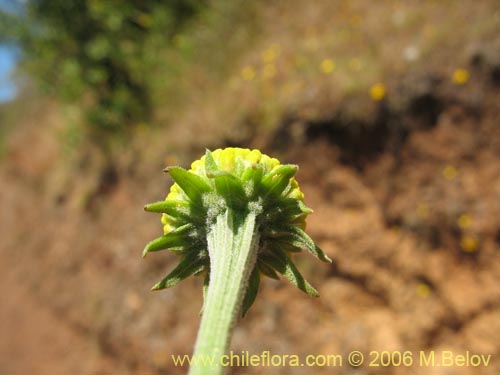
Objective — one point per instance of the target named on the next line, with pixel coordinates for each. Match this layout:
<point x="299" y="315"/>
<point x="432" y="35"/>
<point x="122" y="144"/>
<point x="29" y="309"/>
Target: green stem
<point x="232" y="246"/>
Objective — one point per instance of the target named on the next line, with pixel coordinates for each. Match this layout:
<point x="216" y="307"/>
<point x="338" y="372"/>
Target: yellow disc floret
<point x="236" y="160"/>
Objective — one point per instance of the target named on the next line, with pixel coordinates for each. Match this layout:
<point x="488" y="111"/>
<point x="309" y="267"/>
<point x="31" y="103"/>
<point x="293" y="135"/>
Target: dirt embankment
<point x="410" y="218"/>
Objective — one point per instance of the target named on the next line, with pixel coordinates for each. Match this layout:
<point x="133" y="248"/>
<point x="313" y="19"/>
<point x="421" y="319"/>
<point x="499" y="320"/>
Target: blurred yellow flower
<point x="395" y="231"/>
<point x="423" y="290"/>
<point x="327" y="66"/>
<point x="469" y="243"/>
<point x="423" y="210"/>
<point x="270" y="54"/>
<point x="464" y="221"/>
<point x="248" y="73"/>
<point x="269" y="71"/>
<point x="449" y="172"/>
<point x="377" y="91"/>
<point x="460" y="76"/>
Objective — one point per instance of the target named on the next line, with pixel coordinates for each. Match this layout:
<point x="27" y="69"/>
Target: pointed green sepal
<point x="302" y="206"/>
<point x="252" y="290"/>
<point x="280" y="244"/>
<point x="251" y="180"/>
<point x="226" y="184"/>
<point x="297" y="237"/>
<point x="294" y="207"/>
<point x="175" y="209"/>
<point x="189" y="265"/>
<point x="288" y="210"/>
<point x="230" y="188"/>
<point x="267" y="271"/>
<point x="191" y="184"/>
<point x="180" y="211"/>
<point x="167" y="207"/>
<point x="173" y="240"/>
<point x="284" y="265"/>
<point x="254" y="173"/>
<point x="211" y="168"/>
<point x="275" y="182"/>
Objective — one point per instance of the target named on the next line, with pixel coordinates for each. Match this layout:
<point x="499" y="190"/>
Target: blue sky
<point x="8" y="61"/>
<point x="8" y="56"/>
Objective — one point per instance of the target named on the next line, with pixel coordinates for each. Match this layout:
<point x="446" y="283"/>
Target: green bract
<point x="244" y="182"/>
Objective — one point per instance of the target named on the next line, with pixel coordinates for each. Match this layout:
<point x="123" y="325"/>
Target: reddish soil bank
<point x="413" y="227"/>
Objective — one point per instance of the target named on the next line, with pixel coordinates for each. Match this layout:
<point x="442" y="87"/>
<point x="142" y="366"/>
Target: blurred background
<point x="390" y="108"/>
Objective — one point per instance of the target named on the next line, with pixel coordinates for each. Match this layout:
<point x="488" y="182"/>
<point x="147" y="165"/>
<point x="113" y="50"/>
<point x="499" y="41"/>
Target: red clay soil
<point x="414" y="232"/>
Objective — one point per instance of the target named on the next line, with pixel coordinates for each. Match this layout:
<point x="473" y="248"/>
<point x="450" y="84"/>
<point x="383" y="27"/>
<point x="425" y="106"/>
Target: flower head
<point x="460" y="76"/>
<point x="243" y="181"/>
<point x="377" y="91"/>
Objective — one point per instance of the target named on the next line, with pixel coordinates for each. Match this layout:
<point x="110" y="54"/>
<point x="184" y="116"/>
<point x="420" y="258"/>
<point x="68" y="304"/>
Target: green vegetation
<point x="102" y="55"/>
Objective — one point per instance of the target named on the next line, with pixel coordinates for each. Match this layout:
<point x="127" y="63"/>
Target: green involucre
<point x="243" y="181"/>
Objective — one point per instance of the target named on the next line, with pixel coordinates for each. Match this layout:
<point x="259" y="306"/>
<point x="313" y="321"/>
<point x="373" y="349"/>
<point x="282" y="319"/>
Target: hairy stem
<point x="232" y="246"/>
